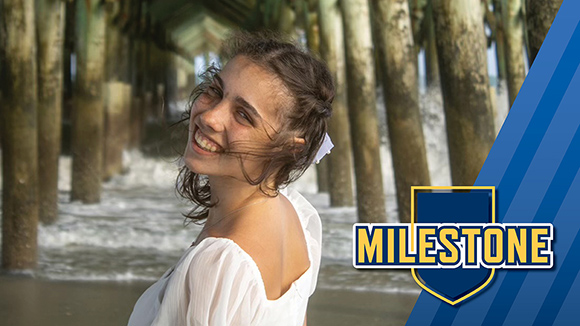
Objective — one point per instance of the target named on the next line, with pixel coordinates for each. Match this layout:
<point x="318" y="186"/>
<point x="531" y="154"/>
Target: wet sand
<point x="31" y="302"/>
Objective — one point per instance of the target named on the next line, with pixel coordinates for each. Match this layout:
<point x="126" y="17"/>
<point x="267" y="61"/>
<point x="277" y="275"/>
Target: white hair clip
<point x="325" y="148"/>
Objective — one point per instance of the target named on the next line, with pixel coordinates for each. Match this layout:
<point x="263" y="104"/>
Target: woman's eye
<point x="244" y="115"/>
<point x="213" y="91"/>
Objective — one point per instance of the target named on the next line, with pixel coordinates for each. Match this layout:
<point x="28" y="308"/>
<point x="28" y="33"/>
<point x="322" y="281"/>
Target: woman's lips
<point x="204" y="143"/>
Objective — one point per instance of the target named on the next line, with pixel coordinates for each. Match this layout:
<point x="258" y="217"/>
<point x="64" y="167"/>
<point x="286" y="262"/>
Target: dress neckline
<point x="255" y="267"/>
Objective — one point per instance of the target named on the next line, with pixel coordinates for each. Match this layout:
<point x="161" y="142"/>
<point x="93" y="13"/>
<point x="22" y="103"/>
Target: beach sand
<point x="26" y="301"/>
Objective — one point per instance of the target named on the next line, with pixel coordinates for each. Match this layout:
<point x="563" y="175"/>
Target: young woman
<point x="254" y="127"/>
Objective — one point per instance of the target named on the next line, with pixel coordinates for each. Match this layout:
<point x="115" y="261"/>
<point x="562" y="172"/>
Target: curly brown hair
<point x="308" y="83"/>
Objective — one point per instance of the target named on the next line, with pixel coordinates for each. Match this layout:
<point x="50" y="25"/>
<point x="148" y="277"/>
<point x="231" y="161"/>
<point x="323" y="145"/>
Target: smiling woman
<point x="233" y="115"/>
<point x="255" y="126"/>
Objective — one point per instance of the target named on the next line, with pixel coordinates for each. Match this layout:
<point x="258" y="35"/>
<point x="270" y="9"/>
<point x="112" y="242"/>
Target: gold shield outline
<point x="413" y="217"/>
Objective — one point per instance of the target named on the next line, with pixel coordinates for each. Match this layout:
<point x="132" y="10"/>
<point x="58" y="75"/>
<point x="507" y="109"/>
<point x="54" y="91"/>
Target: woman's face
<point x="238" y="107"/>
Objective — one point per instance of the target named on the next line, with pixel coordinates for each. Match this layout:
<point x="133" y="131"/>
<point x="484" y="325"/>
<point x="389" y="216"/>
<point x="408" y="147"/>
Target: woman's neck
<point x="232" y="194"/>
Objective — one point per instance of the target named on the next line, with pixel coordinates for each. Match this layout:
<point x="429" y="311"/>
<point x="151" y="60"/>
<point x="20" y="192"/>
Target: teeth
<point x="203" y="143"/>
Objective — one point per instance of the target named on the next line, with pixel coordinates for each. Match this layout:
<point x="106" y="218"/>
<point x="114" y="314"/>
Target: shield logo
<point x="455" y="204"/>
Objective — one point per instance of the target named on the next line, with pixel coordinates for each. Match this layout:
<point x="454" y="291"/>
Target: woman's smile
<point x="203" y="144"/>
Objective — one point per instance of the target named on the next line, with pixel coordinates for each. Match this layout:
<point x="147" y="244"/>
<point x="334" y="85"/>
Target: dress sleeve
<point x="216" y="286"/>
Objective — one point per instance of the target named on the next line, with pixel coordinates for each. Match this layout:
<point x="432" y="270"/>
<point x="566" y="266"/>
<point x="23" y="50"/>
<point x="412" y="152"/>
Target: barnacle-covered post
<point x="431" y="64"/>
<point x="313" y="42"/>
<point x="362" y="108"/>
<point x="116" y="120"/>
<point x="514" y="47"/>
<point x="332" y="51"/>
<point x="50" y="16"/>
<point x="18" y="124"/>
<point x="539" y="17"/>
<point x="498" y="28"/>
<point x="400" y="84"/>
<point x="461" y="47"/>
<point x="88" y="110"/>
<point x="171" y="83"/>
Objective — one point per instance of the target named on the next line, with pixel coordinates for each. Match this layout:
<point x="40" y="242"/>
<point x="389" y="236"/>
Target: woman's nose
<point x="215" y="116"/>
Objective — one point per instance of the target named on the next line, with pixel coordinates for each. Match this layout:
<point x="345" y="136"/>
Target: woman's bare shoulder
<point x="274" y="239"/>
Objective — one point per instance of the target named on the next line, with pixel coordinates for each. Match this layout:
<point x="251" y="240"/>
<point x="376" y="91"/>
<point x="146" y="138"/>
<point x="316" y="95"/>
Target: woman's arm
<point x="304" y="320"/>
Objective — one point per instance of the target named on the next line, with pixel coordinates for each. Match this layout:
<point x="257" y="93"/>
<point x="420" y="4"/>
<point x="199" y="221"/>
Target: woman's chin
<point x="198" y="166"/>
<point x="194" y="166"/>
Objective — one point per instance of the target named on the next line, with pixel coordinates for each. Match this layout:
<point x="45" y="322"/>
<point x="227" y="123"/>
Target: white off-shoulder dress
<point x="217" y="283"/>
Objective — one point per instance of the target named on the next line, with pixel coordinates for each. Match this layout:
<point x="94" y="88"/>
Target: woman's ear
<point x="300" y="142"/>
